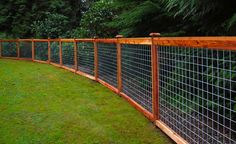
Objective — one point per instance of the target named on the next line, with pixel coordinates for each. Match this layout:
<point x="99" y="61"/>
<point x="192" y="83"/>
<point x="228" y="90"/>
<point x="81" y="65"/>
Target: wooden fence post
<point x="119" y="78"/>
<point x="18" y="49"/>
<point x="49" y="51"/>
<point x="60" y="51"/>
<point x="33" y="48"/>
<point x="155" y="80"/>
<point x="75" y="55"/>
<point x="95" y="58"/>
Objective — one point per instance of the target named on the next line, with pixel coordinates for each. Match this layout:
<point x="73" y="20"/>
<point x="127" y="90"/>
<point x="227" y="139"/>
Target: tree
<point x="16" y="16"/>
<point x="206" y="17"/>
<point x="53" y="26"/>
<point x="95" y="21"/>
<point x="139" y="18"/>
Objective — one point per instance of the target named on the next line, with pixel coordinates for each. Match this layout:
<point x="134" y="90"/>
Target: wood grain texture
<point x="60" y="52"/>
<point x="85" y="75"/>
<point x="18" y="49"/>
<point x="145" y="112"/>
<point x="222" y="43"/>
<point x="155" y="94"/>
<point x="49" y="50"/>
<point x="178" y="139"/>
<point x="95" y="59"/>
<point x="219" y="42"/>
<point x="75" y="55"/>
<point x="40" y="61"/>
<point x="143" y="41"/>
<point x="108" y="85"/>
<point x="33" y="50"/>
<point x="119" y="71"/>
<point x="106" y="40"/>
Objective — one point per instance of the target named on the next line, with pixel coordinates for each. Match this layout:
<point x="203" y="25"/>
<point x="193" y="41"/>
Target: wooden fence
<point x="185" y="85"/>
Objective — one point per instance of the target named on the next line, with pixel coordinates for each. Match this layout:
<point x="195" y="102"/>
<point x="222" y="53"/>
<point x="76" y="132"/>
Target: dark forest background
<point x="106" y="18"/>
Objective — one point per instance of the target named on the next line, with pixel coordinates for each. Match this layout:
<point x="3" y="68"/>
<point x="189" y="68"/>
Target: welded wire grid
<point x="54" y="52"/>
<point x="9" y="49"/>
<point x="198" y="93"/>
<point x="41" y="51"/>
<point x="26" y="49"/>
<point x="85" y="57"/>
<point x="68" y="54"/>
<point x="107" y="63"/>
<point x="137" y="73"/>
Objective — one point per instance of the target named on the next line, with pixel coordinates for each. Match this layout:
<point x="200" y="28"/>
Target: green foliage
<point x="53" y="26"/>
<point x="215" y="76"/>
<point x="106" y="18"/>
<point x="16" y="16"/>
<point x="230" y="25"/>
<point x="139" y="18"/>
<point x="94" y="21"/>
<point x="205" y="17"/>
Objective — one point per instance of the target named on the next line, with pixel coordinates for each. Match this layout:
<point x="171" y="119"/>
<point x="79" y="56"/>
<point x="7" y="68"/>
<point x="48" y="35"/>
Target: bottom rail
<point x="146" y="113"/>
<point x="174" y="136"/>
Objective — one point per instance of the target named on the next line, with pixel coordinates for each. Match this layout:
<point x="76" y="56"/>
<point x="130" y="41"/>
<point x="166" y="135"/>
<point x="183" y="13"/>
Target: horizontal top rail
<point x="67" y="40"/>
<point x="54" y="40"/>
<point x="106" y="40"/>
<point x="25" y="40"/>
<point x="224" y="43"/>
<point x="9" y="40"/>
<point x="143" y="41"/>
<point x="219" y="42"/>
<point x="84" y="40"/>
<point x="40" y="40"/>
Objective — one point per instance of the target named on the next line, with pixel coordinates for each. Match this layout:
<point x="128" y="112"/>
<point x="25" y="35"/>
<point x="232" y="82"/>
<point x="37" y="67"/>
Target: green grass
<point x="40" y="103"/>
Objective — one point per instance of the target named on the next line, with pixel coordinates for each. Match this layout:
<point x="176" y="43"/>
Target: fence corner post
<point x="119" y="78"/>
<point x="155" y="80"/>
<point x="33" y="48"/>
<point x="60" y="51"/>
<point x="95" y="58"/>
<point x="75" y="55"/>
<point x="49" y="51"/>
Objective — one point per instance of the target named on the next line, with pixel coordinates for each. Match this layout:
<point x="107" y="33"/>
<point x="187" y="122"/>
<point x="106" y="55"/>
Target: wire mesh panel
<point x="68" y="54"/>
<point x="41" y="51"/>
<point x="198" y="93"/>
<point x="107" y="63"/>
<point x="85" y="57"/>
<point x="54" y="52"/>
<point x="26" y="49"/>
<point x="9" y="49"/>
<point x="136" y="73"/>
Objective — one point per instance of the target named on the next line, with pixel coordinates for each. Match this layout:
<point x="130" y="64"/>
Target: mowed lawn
<point x="42" y="104"/>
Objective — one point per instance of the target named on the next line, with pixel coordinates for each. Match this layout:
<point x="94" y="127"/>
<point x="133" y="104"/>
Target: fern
<point x="231" y="22"/>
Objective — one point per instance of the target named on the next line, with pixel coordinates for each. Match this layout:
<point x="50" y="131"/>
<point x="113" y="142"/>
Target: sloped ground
<point x="43" y="104"/>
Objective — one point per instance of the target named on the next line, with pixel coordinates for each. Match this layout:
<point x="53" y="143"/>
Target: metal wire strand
<point x="85" y="57"/>
<point x="197" y="93"/>
<point x="136" y="73"/>
<point x="9" y="49"/>
<point x="68" y="54"/>
<point x="25" y="49"/>
<point x="54" y="52"/>
<point x="107" y="63"/>
<point x="41" y="51"/>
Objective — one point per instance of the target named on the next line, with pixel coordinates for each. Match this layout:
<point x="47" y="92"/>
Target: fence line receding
<point x="185" y="85"/>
